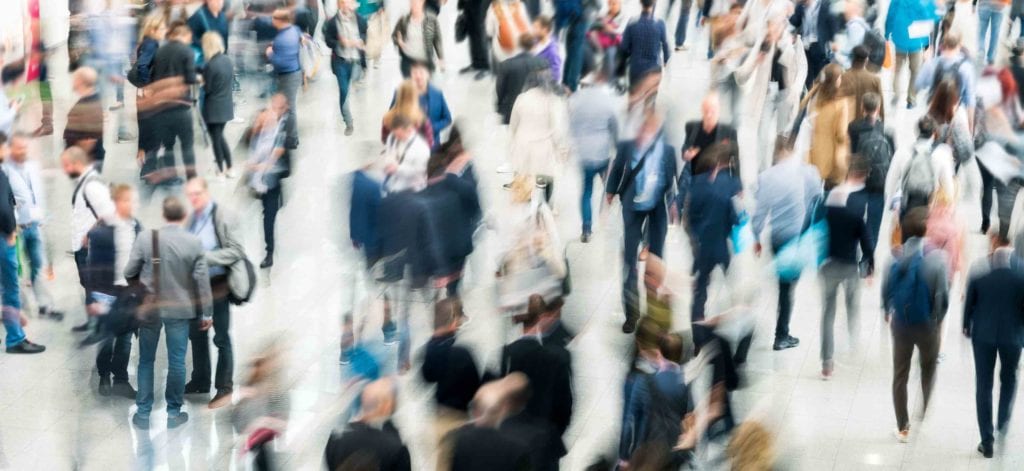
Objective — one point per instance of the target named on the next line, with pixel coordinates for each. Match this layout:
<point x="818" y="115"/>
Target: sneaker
<point x="177" y="421"/>
<point x="465" y="70"/>
<point x="985" y="451"/>
<point x="786" y="342"/>
<point x="140" y="422"/>
<point x="126" y="137"/>
<point x="681" y="47"/>
<point x="903" y="436"/>
<point x="123" y="389"/>
<point x="26" y="347"/>
<point x="193" y="388"/>
<point x="104" y="388"/>
<point x="390" y="333"/>
<point x="81" y="327"/>
<point x="349" y="130"/>
<point x="585" y="237"/>
<point x="229" y="173"/>
<point x="345" y="357"/>
<point x="629" y="326"/>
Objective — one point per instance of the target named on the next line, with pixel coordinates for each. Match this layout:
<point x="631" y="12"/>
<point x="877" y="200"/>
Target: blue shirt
<point x="651" y="178"/>
<point x="785" y="192"/>
<point x="435" y="107"/>
<point x="285" y="56"/>
<point x="203" y="227"/>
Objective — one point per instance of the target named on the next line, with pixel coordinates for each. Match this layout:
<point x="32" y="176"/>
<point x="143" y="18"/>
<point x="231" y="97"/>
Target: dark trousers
<point x="200" y="340"/>
<point x="904" y="339"/>
<point x="113" y="354"/>
<point x="817" y="59"/>
<point x="81" y="256"/>
<point x="785" y="300"/>
<point x="575" y="40"/>
<point x="984" y="370"/>
<point x="271" y="204"/>
<point x="684" y="19"/>
<point x="221" y="151"/>
<point x="876" y="208"/>
<point x="176" y="124"/>
<point x="636" y="224"/>
<point x="476" y="36"/>
<point x="703" y="271"/>
<point x="988" y="185"/>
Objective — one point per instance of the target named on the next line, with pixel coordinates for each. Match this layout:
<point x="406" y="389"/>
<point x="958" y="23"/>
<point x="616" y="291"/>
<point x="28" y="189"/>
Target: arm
<point x="445" y="119"/>
<point x="144" y="63"/>
<point x="970" y="300"/>
<point x="138" y="256"/>
<point x="8" y="221"/>
<point x="438" y="41"/>
<point x="615" y="174"/>
<point x="201" y="277"/>
<point x="665" y="50"/>
<point x="97" y="196"/>
<point x="939" y="283"/>
<point x="399" y="32"/>
<point x="763" y="209"/>
<point x="231" y="249"/>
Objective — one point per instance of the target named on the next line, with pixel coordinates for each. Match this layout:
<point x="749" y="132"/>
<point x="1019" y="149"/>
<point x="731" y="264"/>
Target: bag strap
<point x="80" y="187"/>
<point x="156" y="262"/>
<point x="633" y="172"/>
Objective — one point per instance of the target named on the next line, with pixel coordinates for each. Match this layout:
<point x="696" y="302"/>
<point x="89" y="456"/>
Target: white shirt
<point x="124" y="238"/>
<point x="411" y="156"/>
<point x="27" y="187"/>
<point x="98" y="195"/>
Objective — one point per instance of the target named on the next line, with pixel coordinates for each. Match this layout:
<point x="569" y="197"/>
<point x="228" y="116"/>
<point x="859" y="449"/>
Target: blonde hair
<point x="407" y="103"/>
<point x="150" y="25"/>
<point x="213" y="44"/>
<point x="120" y="191"/>
<point x="752" y="448"/>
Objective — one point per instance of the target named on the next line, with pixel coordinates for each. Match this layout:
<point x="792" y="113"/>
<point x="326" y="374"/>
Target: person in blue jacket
<point x="909" y="25"/>
<point x="432" y="101"/>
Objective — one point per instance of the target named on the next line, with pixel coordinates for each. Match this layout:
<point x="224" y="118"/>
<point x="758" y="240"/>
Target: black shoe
<point x="984" y="227"/>
<point x="140" y="422"/>
<point x="465" y="70"/>
<point x="26" y="347"/>
<point x="104" y="389"/>
<point x="193" y="388"/>
<point x="81" y="327"/>
<point x="267" y="262"/>
<point x="177" y="421"/>
<point x="629" y="326"/>
<point x="480" y="75"/>
<point x="985" y="450"/>
<point x="55" y="315"/>
<point x="221" y="394"/>
<point x="123" y="389"/>
<point x="585" y="237"/>
<point x="786" y="342"/>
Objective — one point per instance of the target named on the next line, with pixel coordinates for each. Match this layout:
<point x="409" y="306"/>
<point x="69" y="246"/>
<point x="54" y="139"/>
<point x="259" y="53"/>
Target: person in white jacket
<point x="539" y="130"/>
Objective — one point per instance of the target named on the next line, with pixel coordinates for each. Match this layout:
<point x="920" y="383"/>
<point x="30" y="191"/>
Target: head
<point x="378" y="401"/>
<point x="950" y="43"/>
<point x="944" y="101"/>
<point x="527" y="42"/>
<point x="926" y="127"/>
<point x="783" y="148"/>
<point x="402" y="127"/>
<point x="447" y="315"/>
<point x="83" y="81"/>
<point x="859" y="169"/>
<point x="853" y="9"/>
<point x="180" y="32"/>
<point x="710" y="109"/>
<point x="215" y="6"/>
<point x="124" y="200"/>
<point x="419" y="73"/>
<point x="614" y="7"/>
<point x="829" y="82"/>
<point x="279" y="104"/>
<point x="213" y="44"/>
<point x="543" y="25"/>
<point x="10" y="73"/>
<point x="154" y="27"/>
<point x="647" y="5"/>
<point x="915" y="222"/>
<point x="416" y="7"/>
<point x="488" y="407"/>
<point x="18" y="147"/>
<point x="173" y="210"/>
<point x="346" y="6"/>
<point x="198" y="193"/>
<point x="282" y="18"/>
<point x="871" y="103"/>
<point x="860" y="57"/>
<point x="74" y="161"/>
<point x="752" y="447"/>
<point x="539" y="314"/>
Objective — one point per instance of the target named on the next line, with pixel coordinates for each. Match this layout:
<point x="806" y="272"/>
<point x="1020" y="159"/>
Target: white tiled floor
<point x="53" y="418"/>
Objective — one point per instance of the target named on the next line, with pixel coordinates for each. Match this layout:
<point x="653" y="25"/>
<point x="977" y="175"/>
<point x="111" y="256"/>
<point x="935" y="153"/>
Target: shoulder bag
<point x="149" y="311"/>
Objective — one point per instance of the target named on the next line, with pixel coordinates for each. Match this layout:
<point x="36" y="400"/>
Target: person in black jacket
<point x="473" y="13"/>
<point x="153" y="31"/>
<point x="994" y="321"/>
<point x="451" y="367"/>
<point x="371" y="440"/>
<point x="483" y="444"/>
<point x="512" y="73"/>
<point x="345" y="34"/>
<point x="218" y="107"/>
<point x="864" y="131"/>
<point x="176" y="59"/>
<point x="701" y="136"/>
<point x="16" y="341"/>
<point x="85" y="119"/>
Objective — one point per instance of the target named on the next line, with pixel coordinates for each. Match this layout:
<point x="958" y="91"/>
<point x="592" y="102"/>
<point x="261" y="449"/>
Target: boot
<point x="46" y="123"/>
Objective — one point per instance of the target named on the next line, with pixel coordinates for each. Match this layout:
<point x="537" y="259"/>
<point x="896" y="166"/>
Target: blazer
<point x="854" y="84"/>
<point x="712" y="216"/>
<point x="509" y="80"/>
<point x="184" y="287"/>
<point x="382" y="445"/>
<point x="454" y="371"/>
<point x="830" y="148"/>
<point x="994" y="306"/>
<point x="144" y="62"/>
<point x="626" y="190"/>
<point x="230" y="254"/>
<point x="435" y="107"/>
<point x="723" y="133"/>
<point x="218" y="106"/>
<point x="431" y="36"/>
<point x="478" y="448"/>
<point x="549" y="369"/>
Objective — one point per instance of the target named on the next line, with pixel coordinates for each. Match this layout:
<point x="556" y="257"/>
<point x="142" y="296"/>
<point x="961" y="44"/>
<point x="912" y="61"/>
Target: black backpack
<point x="874" y="145"/>
<point x="948" y="73"/>
<point x="875" y="44"/>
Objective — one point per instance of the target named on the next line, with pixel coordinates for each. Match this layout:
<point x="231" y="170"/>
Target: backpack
<point x="874" y="146"/>
<point x="919" y="179"/>
<point x="950" y="73"/>
<point x="907" y="294"/>
<point x="874" y="41"/>
<point x="664" y="422"/>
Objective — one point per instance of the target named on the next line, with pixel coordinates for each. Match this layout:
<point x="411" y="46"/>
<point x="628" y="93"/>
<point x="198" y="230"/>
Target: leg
<point x="1009" y="359"/>
<point x="32" y="238"/>
<point x="188" y="156"/>
<point x="915" y="64"/>
<point x="271" y="204"/>
<point x="574" y="43"/>
<point x="700" y="293"/>
<point x="897" y="74"/>
<point x="830" y="280"/>
<point x="984" y="370"/>
<point x="785" y="308"/>
<point x="684" y="19"/>
<point x="876" y="209"/>
<point x="632" y="224"/>
<point x="984" y="18"/>
<point x="103" y="358"/>
<point x="343" y="72"/>
<point x="588" y="191"/>
<point x="218" y="144"/>
<point x="289" y="85"/>
<point x="177" y="345"/>
<point x="902" y="352"/>
<point x="11" y="299"/>
<point x="222" y="340"/>
<point x="1007" y="197"/>
<point x="987" y="185"/>
<point x="657" y="228"/>
<point x="200" y="340"/>
<point x="119" y="360"/>
<point x="993" y="38"/>
<point x="851" y="288"/>
<point x="928" y="357"/>
<point x="478" y="51"/>
<point x="149" y="338"/>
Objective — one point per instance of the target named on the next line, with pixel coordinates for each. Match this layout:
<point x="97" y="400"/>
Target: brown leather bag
<point x="149" y="311"/>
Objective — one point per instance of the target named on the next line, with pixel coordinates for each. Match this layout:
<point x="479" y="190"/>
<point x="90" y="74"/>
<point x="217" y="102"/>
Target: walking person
<point x="345" y="35"/>
<point x="418" y="38"/>
<point x="870" y="139"/>
<point x="994" y="321"/>
<point x="701" y="136"/>
<point x="785" y="196"/>
<point x="857" y="82"/>
<point x="539" y="131"/>
<point x="915" y="296"/>
<point x="176" y="59"/>
<point x="909" y="44"/>
<point x="830" y="114"/>
<point x="170" y="263"/>
<point x="268" y="164"/>
<point x="990" y="22"/>
<point x="573" y="16"/>
<point x="594" y="128"/>
<point x="284" y="56"/>
<point x="216" y="228"/>
<point x="371" y="440"/>
<point x="218" y="105"/>
<point x="511" y="75"/>
<point x="645" y="45"/>
<point x="474" y="13"/>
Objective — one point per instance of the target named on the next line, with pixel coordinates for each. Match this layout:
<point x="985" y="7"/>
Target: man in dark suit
<point x="483" y="444"/>
<point x="700" y="136"/>
<point x="994" y="320"/>
<point x="643" y="175"/>
<point x="371" y="440"/>
<point x="176" y="59"/>
<point x="512" y="74"/>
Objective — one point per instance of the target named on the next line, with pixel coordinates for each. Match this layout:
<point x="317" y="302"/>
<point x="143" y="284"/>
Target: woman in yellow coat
<point x="829" y="114"/>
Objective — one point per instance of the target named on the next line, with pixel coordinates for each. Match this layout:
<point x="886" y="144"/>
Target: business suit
<point x="183" y="293"/>
<point x="633" y="219"/>
<point x="711" y="216"/>
<point x="218" y="107"/>
<point x="994" y="319"/>
<point x="548" y="366"/>
<point x="510" y="78"/>
<point x="724" y="133"/>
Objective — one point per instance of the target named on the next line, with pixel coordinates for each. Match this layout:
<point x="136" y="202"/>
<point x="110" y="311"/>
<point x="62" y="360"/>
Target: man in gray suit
<point x="183" y="292"/>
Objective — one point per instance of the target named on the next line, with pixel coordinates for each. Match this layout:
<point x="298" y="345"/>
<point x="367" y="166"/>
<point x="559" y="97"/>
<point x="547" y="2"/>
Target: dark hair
<point x="544" y="21"/>
<point x="926" y="127"/>
<point x="447" y="311"/>
<point x="860" y="55"/>
<point x="859" y="166"/>
<point x="173" y="210"/>
<point x="944" y="101"/>
<point x="177" y="29"/>
<point x="418" y="64"/>
<point x="535" y="307"/>
<point x="443" y="157"/>
<point x="3" y="138"/>
<point x="645" y="4"/>
<point x="871" y="102"/>
<point x="915" y="222"/>
<point x="527" y="41"/>
<point x="12" y="71"/>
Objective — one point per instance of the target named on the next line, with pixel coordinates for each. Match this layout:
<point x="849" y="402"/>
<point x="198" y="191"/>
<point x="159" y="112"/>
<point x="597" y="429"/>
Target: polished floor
<point x="53" y="417"/>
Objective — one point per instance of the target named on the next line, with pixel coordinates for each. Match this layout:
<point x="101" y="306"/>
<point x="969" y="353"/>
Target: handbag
<point x="887" y="62"/>
<point x="149" y="310"/>
<point x="809" y="249"/>
<point x="533" y="266"/>
<point x="376" y="31"/>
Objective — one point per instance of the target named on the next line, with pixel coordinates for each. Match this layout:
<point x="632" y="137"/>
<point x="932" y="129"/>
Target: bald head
<point x="74" y="160"/>
<point x="488" y="406"/>
<point x="709" y="109"/>
<point x="378" y="400"/>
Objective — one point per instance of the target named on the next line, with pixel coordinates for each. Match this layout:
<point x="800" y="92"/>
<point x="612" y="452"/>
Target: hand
<point x="690" y="153"/>
<point x="391" y="168"/>
<point x="967" y="332"/>
<point x="205" y="324"/>
<point x="270" y="50"/>
<point x="835" y="47"/>
<point x="757" y="249"/>
<point x="22" y="319"/>
<point x="94" y="309"/>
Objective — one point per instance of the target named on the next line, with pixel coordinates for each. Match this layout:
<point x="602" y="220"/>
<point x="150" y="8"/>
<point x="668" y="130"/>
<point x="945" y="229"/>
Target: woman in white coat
<point x="539" y="130"/>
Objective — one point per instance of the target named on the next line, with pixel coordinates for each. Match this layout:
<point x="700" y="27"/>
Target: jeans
<point x="876" y="209"/>
<point x="271" y="204"/>
<point x="590" y="171"/>
<point x="200" y="340"/>
<point x="11" y="299"/>
<point x="785" y="299"/>
<point x="575" y="39"/>
<point x="343" y="72"/>
<point x="989" y="22"/>
<point x="176" y="123"/>
<point x="177" y="345"/>
<point x="221" y="151"/>
<point x="833" y="274"/>
<point x="684" y="18"/>
<point x="984" y="370"/>
<point x="634" y="224"/>
<point x="32" y="241"/>
<point x="904" y="339"/>
<point x="913" y="61"/>
<point x="289" y="84"/>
